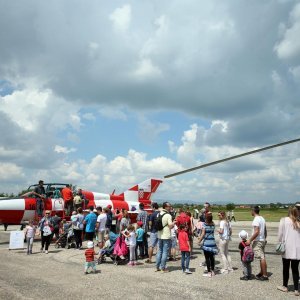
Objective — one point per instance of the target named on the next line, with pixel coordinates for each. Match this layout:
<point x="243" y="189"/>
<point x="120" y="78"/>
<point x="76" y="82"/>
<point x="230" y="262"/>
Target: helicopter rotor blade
<point x="232" y="157"/>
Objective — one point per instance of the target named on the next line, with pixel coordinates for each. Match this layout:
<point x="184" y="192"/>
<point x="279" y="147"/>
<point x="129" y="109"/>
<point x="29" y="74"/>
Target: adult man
<point x="90" y="224"/>
<point x="164" y="238"/>
<point x="83" y="197"/>
<point x="100" y="225"/>
<point x="153" y="231"/>
<point x="67" y="195"/>
<point x="56" y="220"/>
<point x="40" y="195"/>
<point x="206" y="210"/>
<point x="109" y="219"/>
<point x="232" y="216"/>
<point x="77" y="201"/>
<point x="143" y="217"/>
<point x="259" y="235"/>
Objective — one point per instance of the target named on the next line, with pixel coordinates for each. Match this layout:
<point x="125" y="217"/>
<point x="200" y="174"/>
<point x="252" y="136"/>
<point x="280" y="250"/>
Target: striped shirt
<point x="89" y="254"/>
<point x="209" y="243"/>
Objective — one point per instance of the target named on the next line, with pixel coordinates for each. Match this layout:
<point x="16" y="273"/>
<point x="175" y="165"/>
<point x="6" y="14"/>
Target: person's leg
<point x="222" y="248"/>
<point x="166" y="247"/>
<point x="263" y="267"/>
<point x="212" y="261"/>
<point x="47" y="242"/>
<point x="228" y="257"/>
<point x="145" y="244"/>
<point x="159" y="254"/>
<point x="183" y="260"/>
<point x="187" y="260"/>
<point x="42" y="241"/>
<point x="295" y="273"/>
<point x="207" y="260"/>
<point x="285" y="271"/>
<point x="28" y="244"/>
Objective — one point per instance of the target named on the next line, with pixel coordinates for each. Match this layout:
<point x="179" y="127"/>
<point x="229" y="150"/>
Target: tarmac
<point x="59" y="275"/>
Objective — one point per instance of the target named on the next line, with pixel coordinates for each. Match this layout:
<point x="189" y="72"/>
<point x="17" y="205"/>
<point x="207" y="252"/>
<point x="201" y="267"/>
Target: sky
<point x="106" y="94"/>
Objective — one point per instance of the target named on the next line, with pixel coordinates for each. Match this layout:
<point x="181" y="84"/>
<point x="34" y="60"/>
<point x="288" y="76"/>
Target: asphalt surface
<point x="59" y="275"/>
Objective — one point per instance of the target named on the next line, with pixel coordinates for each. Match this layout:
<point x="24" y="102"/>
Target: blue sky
<point x="105" y="95"/>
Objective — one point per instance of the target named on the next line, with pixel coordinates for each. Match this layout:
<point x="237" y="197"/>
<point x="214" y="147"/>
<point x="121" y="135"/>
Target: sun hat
<point x="243" y="234"/>
<point x="90" y="244"/>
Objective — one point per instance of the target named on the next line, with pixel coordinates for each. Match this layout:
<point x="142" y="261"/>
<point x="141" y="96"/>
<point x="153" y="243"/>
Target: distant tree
<point x="230" y="206"/>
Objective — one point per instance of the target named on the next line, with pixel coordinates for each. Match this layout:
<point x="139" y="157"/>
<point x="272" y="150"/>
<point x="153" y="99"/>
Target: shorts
<point x="153" y="239"/>
<point x="100" y="236"/>
<point x="173" y="242"/>
<point x="259" y="249"/>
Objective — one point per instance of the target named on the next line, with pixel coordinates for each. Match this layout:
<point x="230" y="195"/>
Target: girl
<point x="225" y="234"/>
<point x="131" y="235"/>
<point x="29" y="235"/>
<point x="209" y="244"/>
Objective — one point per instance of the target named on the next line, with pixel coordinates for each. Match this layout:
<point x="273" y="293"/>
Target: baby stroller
<point x="109" y="252"/>
<point x="66" y="239"/>
<point x="120" y="251"/>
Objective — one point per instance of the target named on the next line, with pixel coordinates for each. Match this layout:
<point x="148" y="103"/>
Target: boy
<point x="246" y="265"/>
<point x="105" y="248"/>
<point x="140" y="238"/>
<point x="89" y="258"/>
<point x="185" y="248"/>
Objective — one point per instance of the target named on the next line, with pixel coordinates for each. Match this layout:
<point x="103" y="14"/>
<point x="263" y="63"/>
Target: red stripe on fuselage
<point x="11" y="216"/>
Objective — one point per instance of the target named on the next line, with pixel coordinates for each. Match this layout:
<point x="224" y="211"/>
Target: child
<point x="140" y="241"/>
<point x="246" y="265"/>
<point x="89" y="258"/>
<point x="29" y="235"/>
<point x="185" y="248"/>
<point x="104" y="248"/>
<point x="131" y="236"/>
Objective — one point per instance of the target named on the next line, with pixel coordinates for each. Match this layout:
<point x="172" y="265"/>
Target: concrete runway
<point x="59" y="275"/>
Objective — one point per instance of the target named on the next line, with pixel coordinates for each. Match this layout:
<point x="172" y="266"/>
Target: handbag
<point x="280" y="247"/>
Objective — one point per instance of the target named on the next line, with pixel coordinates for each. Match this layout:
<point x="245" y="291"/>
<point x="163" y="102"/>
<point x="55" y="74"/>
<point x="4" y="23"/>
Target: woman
<point x="125" y="221"/>
<point x="224" y="233"/>
<point x="78" y="227"/>
<point x="289" y="234"/>
<point x="209" y="244"/>
<point x="46" y="229"/>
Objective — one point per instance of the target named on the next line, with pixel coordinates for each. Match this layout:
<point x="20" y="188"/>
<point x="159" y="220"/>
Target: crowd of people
<point x="164" y="231"/>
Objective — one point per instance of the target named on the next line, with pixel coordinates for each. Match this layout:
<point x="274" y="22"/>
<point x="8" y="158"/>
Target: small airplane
<point x="20" y="209"/>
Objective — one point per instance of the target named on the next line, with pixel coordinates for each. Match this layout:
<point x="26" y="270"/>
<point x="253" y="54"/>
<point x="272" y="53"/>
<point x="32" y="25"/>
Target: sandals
<point x="282" y="289"/>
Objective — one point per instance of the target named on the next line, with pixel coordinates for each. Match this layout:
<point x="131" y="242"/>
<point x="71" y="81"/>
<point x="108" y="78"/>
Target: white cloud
<point x="64" y="150"/>
<point x="121" y="18"/>
<point x="289" y="46"/>
<point x="146" y="69"/>
<point x="89" y="117"/>
<point x="9" y="171"/>
<point x="113" y="113"/>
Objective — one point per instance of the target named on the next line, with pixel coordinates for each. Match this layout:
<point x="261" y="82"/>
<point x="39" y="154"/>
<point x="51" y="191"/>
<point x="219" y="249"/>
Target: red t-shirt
<point x="89" y="254"/>
<point x="67" y="194"/>
<point x="183" y="240"/>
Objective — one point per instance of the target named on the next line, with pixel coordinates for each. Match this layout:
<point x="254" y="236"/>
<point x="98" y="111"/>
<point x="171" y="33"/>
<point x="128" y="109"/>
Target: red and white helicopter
<point x="21" y="209"/>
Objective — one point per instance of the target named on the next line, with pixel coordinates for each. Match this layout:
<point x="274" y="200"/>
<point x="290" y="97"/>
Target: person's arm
<point x="221" y="229"/>
<point x="170" y="223"/>
<point x="266" y="232"/>
<point x="254" y="235"/>
<point x="202" y="235"/>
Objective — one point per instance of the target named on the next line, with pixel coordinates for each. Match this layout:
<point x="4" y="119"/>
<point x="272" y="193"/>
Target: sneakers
<point x="46" y="251"/>
<point x="257" y="276"/>
<point x="224" y="271"/>
<point x="282" y="288"/>
<point x="157" y="270"/>
<point x="244" y="278"/>
<point x="134" y="263"/>
<point x="130" y="263"/>
<point x="187" y="271"/>
<point x="165" y="271"/>
<point x="205" y="274"/>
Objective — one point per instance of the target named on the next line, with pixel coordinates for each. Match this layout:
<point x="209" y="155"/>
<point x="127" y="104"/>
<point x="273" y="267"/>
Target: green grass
<point x="270" y="215"/>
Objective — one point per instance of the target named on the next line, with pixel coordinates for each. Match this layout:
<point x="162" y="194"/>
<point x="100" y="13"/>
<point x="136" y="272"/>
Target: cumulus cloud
<point x="65" y="150"/>
<point x="121" y="17"/>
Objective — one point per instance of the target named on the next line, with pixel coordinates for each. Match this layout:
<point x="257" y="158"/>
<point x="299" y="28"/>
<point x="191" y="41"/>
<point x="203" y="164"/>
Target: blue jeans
<point x="162" y="253"/>
<point x="185" y="260"/>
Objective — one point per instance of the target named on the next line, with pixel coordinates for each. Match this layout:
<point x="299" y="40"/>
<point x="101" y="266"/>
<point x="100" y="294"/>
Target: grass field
<point x="244" y="214"/>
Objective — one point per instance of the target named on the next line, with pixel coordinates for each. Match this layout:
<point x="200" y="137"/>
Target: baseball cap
<point x="90" y="244"/>
<point x="109" y="206"/>
<point x="140" y="223"/>
<point x="243" y="234"/>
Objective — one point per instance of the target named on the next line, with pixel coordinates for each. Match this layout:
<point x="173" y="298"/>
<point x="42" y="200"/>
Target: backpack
<point x="158" y="225"/>
<point x="248" y="254"/>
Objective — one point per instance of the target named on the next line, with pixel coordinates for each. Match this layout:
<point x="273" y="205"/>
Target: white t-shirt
<point x="260" y="222"/>
<point x="101" y="219"/>
<point x="30" y="233"/>
<point x="132" y="238"/>
<point x="226" y="230"/>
